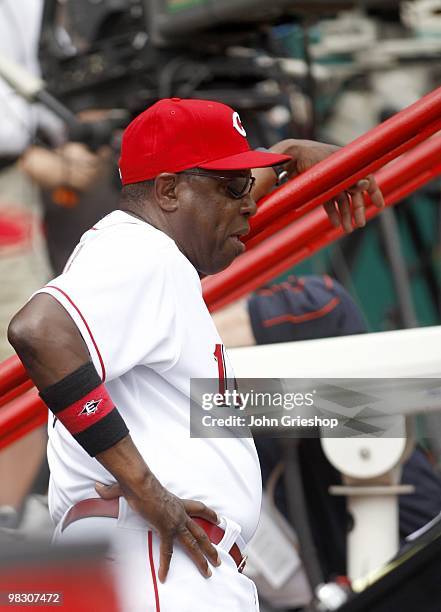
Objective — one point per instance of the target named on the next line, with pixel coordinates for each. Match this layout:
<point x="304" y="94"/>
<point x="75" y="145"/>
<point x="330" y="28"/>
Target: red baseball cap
<point x="176" y="134"/>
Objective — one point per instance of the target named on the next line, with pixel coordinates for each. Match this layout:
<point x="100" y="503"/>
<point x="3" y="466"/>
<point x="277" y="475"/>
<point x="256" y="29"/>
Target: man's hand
<point x="171" y="517"/>
<point x="72" y="166"/>
<point x="348" y="209"/>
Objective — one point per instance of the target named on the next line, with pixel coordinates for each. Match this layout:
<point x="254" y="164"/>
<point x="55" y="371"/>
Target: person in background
<point x="24" y="169"/>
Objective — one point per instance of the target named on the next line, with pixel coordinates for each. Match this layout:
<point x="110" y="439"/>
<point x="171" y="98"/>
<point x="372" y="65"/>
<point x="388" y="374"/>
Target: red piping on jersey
<point x="153" y="571"/>
<point x="308" y="316"/>
<point x="72" y="258"/>
<point x="87" y="327"/>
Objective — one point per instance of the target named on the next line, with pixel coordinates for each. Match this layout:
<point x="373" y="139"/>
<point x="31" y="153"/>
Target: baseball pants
<point x="134" y="555"/>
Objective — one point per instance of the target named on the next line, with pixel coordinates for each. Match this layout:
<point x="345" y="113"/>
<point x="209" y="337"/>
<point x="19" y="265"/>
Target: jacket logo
<point x="237" y="124"/>
<point x="90" y="407"/>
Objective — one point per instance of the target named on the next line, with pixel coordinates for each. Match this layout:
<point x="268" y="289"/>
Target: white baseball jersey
<point x="137" y="302"/>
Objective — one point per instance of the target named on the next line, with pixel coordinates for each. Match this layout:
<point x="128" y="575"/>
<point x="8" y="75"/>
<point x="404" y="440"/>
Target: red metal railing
<point x="309" y="230"/>
<point x="312" y="232"/>
<point x="21" y="415"/>
<point x="364" y="155"/>
<point x="12" y="374"/>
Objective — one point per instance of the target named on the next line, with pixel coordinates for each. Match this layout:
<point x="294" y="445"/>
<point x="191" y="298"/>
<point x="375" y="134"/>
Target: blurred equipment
<point x="273" y="561"/>
<point x="33" y="89"/>
<point x="371" y="470"/>
<point x="408" y="582"/>
<point x="107" y="53"/>
<point x="130" y="53"/>
<point x="171" y="19"/>
<point x="422" y="16"/>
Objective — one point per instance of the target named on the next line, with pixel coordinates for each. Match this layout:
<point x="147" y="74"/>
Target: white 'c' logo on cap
<point x="237" y="124"/>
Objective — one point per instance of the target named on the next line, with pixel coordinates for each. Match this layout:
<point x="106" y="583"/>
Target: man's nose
<point x="248" y="206"/>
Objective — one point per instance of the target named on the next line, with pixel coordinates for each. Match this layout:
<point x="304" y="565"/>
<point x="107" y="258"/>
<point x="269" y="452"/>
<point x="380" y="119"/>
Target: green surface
<point x="174" y="6"/>
<point x="371" y="282"/>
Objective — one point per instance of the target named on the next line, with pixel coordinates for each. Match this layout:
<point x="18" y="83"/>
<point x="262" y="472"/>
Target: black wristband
<point x="71" y="388"/>
<point x="82" y="404"/>
<point x="104" y="434"/>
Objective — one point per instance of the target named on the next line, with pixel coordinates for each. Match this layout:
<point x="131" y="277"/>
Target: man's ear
<point x="165" y="191"/>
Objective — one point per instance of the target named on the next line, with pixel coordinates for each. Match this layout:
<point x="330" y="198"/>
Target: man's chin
<point x="217" y="267"/>
<point x="224" y="259"/>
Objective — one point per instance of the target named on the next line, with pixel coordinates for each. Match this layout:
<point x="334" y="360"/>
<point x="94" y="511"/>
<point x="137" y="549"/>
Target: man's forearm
<point x="125" y="463"/>
<point x="266" y="177"/>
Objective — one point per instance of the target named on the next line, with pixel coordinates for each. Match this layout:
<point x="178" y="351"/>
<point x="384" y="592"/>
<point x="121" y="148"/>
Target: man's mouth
<point x="238" y="242"/>
<point x="242" y="231"/>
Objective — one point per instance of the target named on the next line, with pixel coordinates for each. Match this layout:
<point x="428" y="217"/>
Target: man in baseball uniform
<point x="113" y="342"/>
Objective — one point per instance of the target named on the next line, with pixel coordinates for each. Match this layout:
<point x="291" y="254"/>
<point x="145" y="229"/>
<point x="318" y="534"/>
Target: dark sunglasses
<point x="236" y="186"/>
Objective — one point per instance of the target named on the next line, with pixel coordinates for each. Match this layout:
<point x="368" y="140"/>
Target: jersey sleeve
<point x="121" y="296"/>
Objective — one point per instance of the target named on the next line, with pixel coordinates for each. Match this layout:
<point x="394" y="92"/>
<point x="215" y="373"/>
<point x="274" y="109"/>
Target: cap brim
<point x="246" y="160"/>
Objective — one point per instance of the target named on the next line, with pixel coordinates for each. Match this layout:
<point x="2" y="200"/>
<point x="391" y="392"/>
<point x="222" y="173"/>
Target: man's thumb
<point x="108" y="491"/>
